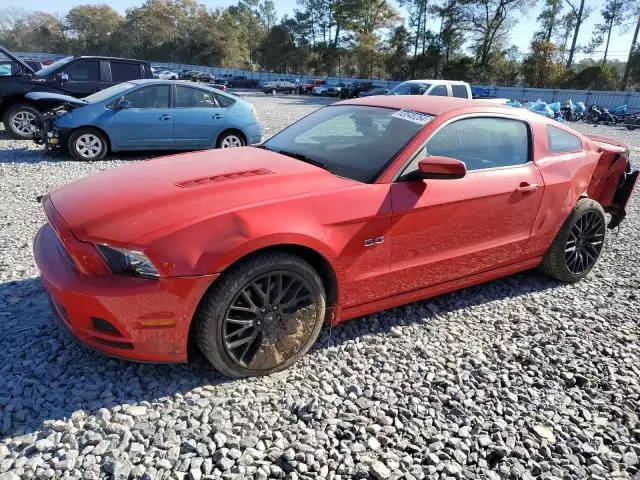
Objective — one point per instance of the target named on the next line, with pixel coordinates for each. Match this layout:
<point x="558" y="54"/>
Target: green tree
<point x="550" y="19"/>
<point x="541" y="68"/>
<point x="613" y="14"/>
<point x="490" y="22"/>
<point x="91" y="28"/>
<point x="396" y="62"/>
<point x="580" y="13"/>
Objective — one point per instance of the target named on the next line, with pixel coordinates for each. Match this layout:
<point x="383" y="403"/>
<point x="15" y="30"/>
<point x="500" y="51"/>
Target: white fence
<point x="605" y="98"/>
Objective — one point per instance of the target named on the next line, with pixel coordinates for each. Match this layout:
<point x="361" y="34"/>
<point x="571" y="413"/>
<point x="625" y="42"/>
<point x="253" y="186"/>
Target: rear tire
<point x="252" y="322"/>
<point x="17" y="120"/>
<point x="231" y="139"/>
<point x="87" y="144"/>
<point x="578" y="245"/>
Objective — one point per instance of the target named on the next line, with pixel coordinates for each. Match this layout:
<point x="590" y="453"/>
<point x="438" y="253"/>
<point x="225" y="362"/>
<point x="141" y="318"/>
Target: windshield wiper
<point x="305" y="159"/>
<point x="300" y="156"/>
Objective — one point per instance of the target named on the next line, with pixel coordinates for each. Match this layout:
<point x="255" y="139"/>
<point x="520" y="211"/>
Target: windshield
<point x="410" y="88"/>
<point x="53" y="67"/>
<point x="350" y="141"/>
<point x="108" y="92"/>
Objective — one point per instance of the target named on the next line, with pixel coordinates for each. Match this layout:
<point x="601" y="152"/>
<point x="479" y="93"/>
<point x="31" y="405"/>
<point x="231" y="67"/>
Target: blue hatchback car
<point x="145" y="115"/>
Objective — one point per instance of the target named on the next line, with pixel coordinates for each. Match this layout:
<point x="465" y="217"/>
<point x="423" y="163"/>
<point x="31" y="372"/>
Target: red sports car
<point x="361" y="206"/>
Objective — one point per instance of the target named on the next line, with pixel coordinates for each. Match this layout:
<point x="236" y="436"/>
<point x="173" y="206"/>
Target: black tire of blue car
<point x="261" y="316"/>
<point x="87" y="144"/>
<point x="17" y="121"/>
<point x="578" y="245"/>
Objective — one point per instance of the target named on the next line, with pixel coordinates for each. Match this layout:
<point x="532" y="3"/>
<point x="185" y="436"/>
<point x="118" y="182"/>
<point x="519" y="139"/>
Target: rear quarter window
<point x="562" y="141"/>
<point x="123" y="71"/>
<point x="459" y="91"/>
<point x="224" y="101"/>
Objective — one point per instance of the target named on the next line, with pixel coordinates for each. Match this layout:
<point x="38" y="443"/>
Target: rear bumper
<point x="149" y="319"/>
<point x="622" y="198"/>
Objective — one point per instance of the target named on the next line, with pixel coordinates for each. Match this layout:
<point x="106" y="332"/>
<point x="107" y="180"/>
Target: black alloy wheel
<point x="269" y="320"/>
<point x="262" y="315"/>
<point x="585" y="242"/>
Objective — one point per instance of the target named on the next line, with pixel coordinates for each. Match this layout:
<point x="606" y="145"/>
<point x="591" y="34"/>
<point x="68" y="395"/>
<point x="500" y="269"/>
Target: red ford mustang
<point x="361" y="206"/>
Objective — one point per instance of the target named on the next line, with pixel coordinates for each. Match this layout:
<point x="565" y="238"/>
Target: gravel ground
<point x="518" y="378"/>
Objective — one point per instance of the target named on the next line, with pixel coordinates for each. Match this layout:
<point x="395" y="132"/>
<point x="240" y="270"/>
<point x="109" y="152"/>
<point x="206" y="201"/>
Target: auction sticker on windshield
<point x="413" y="116"/>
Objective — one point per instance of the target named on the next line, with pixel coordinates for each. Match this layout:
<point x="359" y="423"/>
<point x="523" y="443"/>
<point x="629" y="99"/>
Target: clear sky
<point x="520" y="36"/>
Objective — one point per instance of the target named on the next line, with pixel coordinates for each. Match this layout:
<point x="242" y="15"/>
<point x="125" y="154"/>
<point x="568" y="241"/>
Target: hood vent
<point x="225" y="177"/>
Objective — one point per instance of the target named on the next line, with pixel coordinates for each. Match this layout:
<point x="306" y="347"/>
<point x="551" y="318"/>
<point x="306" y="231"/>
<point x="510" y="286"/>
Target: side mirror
<point x="437" y="167"/>
<point x="61" y="77"/>
<point x="123" y="104"/>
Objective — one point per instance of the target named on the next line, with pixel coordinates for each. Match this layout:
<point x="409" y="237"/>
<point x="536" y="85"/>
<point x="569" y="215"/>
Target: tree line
<point x="352" y="38"/>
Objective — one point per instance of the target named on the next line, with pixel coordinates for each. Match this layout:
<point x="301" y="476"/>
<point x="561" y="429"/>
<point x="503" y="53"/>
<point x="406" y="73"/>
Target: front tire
<point x="262" y="316"/>
<point x="577" y="247"/>
<point x="87" y="144"/>
<point x="17" y="121"/>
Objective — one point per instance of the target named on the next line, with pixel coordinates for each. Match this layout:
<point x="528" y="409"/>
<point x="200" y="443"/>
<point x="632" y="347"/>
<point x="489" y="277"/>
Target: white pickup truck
<point x="440" y="88"/>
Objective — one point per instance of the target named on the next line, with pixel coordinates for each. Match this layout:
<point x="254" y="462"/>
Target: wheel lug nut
<point x="275" y="307"/>
<point x="263" y="310"/>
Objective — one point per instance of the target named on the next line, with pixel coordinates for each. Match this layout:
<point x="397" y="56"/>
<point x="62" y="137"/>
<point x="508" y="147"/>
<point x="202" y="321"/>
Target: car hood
<point x="126" y="203"/>
<point x="56" y="97"/>
<point x="16" y="59"/>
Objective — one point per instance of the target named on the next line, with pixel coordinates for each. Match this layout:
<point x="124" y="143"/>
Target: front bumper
<point x="47" y="134"/>
<point x="149" y="319"/>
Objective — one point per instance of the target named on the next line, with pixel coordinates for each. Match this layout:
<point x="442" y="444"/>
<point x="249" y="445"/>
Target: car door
<point x="198" y="117"/>
<point x="448" y="229"/>
<point x="84" y="77"/>
<point x="147" y="122"/>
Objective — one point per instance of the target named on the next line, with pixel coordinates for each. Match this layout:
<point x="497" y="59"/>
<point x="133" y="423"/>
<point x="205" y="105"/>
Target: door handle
<point x="525" y="187"/>
<point x="165" y="117"/>
<point x="216" y="116"/>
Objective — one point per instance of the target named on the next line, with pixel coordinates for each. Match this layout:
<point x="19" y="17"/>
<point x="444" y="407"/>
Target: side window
<point x="150" y="97"/>
<point x="482" y="142"/>
<point x="224" y="101"/>
<point x="83" y="71"/>
<point x="121" y="71"/>
<point x="439" y="91"/>
<point x="561" y="141"/>
<point x="459" y="91"/>
<point x="187" y="97"/>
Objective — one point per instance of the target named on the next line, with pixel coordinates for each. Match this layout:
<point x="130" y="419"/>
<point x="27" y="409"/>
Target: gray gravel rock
<point x="517" y="378"/>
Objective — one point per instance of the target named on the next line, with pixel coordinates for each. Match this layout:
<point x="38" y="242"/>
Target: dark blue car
<point x="146" y="115"/>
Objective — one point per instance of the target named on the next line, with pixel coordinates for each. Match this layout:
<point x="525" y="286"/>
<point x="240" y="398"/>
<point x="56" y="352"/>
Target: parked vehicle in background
<point x="280" y="87"/>
<point x="146" y="115"/>
<point x="307" y="87"/>
<point x="241" y="81"/>
<point x="328" y="89"/>
<point x="204" y="77"/>
<point x="354" y="89"/>
<point x="360" y="206"/>
<point x="189" y="74"/>
<point x="167" y="75"/>
<point x="219" y="86"/>
<point x="437" y="88"/>
<point x="374" y="91"/>
<point x="74" y="76"/>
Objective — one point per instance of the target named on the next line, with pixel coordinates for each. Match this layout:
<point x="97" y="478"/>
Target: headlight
<point x="128" y="262"/>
